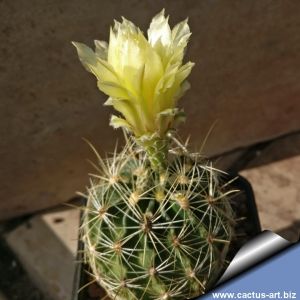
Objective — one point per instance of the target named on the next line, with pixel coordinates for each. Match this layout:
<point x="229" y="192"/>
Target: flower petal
<point x="180" y="34"/>
<point x="113" y="90"/>
<point x="183" y="72"/>
<point x="86" y="56"/>
<point x="129" y="111"/>
<point x="117" y="122"/>
<point x="159" y="30"/>
<point x="93" y="64"/>
<point x="101" y="49"/>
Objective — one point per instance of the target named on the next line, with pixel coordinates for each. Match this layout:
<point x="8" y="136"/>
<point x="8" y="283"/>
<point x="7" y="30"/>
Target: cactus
<point x="158" y="221"/>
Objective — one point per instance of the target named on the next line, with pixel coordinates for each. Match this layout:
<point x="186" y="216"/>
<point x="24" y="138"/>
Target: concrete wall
<point x="247" y="75"/>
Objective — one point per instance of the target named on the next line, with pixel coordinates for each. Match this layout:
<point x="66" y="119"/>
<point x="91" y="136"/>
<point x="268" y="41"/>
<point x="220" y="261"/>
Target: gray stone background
<point x="247" y="76"/>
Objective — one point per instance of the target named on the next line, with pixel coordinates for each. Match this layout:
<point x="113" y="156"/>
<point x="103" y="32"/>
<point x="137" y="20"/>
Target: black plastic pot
<point x="247" y="227"/>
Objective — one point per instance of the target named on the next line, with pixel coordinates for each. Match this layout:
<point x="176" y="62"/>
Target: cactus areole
<point x="158" y="220"/>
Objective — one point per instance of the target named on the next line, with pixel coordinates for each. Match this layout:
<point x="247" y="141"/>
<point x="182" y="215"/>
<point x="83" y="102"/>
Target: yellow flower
<point x="143" y="78"/>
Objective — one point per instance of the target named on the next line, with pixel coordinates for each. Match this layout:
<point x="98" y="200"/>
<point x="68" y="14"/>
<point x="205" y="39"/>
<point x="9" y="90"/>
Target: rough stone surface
<point x="277" y="191"/>
<point x="247" y="76"/>
<point x="46" y="247"/>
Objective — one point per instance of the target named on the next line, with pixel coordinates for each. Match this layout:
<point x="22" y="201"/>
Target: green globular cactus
<point x="158" y="221"/>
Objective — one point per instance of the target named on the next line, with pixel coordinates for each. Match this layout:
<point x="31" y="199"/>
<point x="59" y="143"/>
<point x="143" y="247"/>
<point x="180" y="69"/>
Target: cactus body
<point x="153" y="234"/>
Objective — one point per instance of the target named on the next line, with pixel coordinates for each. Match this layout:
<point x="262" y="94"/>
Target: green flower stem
<point x="157" y="151"/>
